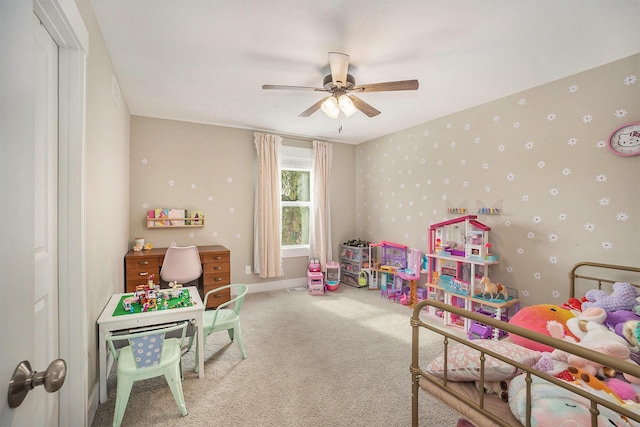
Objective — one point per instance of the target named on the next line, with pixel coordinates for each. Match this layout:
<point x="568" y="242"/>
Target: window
<point x="296" y="179"/>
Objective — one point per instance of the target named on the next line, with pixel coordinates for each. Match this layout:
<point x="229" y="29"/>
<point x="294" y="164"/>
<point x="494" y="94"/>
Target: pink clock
<point x="625" y="141"/>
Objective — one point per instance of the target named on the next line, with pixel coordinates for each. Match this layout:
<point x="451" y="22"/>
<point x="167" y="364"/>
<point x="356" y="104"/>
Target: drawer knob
<point x="217" y="268"/>
<point x="217" y="279"/>
<point x="144" y="273"/>
<point x="143" y="263"/>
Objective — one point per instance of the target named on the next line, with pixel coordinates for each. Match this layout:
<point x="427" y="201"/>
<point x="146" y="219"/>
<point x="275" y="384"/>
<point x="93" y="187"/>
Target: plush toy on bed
<point x="623" y="297"/>
<point x="552" y="405"/>
<point x="535" y="318"/>
<point x="591" y="333"/>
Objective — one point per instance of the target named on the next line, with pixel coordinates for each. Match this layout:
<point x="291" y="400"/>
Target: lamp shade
<point x="330" y="107"/>
<point x="346" y="105"/>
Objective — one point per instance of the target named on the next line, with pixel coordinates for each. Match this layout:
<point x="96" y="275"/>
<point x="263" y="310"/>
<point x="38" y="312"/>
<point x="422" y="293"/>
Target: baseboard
<point x="94" y="401"/>
<point x="277" y="285"/>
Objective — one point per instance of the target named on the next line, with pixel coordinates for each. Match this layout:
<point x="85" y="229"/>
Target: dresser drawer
<point x="217" y="298"/>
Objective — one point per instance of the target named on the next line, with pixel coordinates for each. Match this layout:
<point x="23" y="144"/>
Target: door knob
<point x="24" y="380"/>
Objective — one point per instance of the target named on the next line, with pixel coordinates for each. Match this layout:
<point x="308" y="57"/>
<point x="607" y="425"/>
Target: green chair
<point x="224" y="319"/>
<point x="148" y="355"/>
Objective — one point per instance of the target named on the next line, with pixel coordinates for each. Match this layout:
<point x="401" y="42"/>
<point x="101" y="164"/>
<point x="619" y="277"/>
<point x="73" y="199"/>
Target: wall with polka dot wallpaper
<point x="540" y="157"/>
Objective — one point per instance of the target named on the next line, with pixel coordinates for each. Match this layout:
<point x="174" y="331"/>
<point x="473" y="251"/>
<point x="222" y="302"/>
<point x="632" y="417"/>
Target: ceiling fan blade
<point x="339" y="64"/>
<point x="388" y="86"/>
<point x="315" y="107"/>
<point x="283" y="87"/>
<point x="364" y="107"/>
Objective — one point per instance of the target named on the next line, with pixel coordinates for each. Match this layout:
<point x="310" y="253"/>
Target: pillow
<point x="463" y="362"/>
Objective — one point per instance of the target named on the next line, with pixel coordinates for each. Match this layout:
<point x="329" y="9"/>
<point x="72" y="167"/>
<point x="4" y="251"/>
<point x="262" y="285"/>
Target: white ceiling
<point x="205" y="61"/>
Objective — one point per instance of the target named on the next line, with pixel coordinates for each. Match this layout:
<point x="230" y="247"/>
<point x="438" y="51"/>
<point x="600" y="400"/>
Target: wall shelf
<point x="180" y="223"/>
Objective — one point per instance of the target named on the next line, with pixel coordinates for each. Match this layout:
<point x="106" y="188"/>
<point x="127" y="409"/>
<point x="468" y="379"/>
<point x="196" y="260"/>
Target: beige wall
<point x="539" y="156"/>
<point x="211" y="168"/>
<point x="107" y="184"/>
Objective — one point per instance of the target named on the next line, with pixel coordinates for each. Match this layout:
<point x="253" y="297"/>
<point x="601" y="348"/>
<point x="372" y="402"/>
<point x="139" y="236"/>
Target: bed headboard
<point x="591" y="274"/>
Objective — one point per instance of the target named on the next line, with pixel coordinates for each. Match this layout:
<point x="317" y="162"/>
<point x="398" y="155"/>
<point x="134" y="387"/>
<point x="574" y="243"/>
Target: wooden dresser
<point x="216" y="270"/>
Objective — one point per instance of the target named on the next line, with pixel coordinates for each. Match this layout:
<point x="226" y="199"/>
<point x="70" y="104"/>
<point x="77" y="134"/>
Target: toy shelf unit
<point x="353" y="261"/>
<point x="163" y="218"/>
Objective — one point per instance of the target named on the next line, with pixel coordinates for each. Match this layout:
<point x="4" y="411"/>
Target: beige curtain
<point x="321" y="228"/>
<point x="267" y="257"/>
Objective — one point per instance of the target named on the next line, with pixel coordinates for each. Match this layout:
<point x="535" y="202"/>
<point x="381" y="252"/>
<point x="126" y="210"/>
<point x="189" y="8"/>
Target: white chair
<point x="181" y="264"/>
<point x="149" y="354"/>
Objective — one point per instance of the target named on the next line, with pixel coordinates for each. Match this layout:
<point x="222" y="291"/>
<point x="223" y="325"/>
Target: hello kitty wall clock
<point x="625" y="141"/>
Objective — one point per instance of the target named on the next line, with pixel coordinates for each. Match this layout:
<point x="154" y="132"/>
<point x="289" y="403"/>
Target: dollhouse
<point x="457" y="260"/>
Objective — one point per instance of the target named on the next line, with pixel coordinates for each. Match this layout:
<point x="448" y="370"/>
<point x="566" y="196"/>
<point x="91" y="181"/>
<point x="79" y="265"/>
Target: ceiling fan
<point x="340" y="85"/>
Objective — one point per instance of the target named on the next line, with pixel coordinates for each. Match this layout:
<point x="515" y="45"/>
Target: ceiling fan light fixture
<point x="346" y="105"/>
<point x="330" y="107"/>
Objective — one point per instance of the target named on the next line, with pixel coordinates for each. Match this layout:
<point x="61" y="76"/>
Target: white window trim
<point x="301" y="159"/>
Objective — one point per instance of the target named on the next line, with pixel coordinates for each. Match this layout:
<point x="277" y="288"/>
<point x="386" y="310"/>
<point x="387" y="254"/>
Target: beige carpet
<point x="341" y="359"/>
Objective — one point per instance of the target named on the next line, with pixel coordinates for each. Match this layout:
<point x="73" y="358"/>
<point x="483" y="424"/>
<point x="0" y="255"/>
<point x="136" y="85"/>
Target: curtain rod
<point x="296" y="138"/>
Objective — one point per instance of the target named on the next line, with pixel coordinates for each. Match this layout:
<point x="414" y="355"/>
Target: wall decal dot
<point x="522" y="101"/>
<point x="501" y="147"/>
<point x="193" y="186"/>
<point x="511" y="177"/>
<point x="566" y="171"/>
<point x="589" y="227"/>
<point x="587" y="118"/>
<point x="573" y="88"/>
<point x="426" y="133"/>
<point x="214" y="234"/>
<point x="621" y="216"/>
<point x="551" y="117"/>
<point x="554" y="192"/>
<point x="145" y="206"/>
<point x="449" y="125"/>
<point x="238" y="236"/>
<point x="210" y="198"/>
<point x="520" y="251"/>
<point x="601" y="178"/>
<point x="171" y="183"/>
<point x="621" y="113"/>
<point x="525" y="198"/>
<point x="537" y="219"/>
<point x="630" y="80"/>
<point x="553" y="237"/>
<point x="191" y="234"/>
<point x="496" y="118"/>
<point x="516" y="125"/>
<point x="537" y="276"/>
<point x="477" y="140"/>
<point x="232" y="210"/>
<point x="572" y="141"/>
<point x="487" y="189"/>
<point x="541" y="164"/>
<point x="531" y="235"/>
<point x="229" y="180"/>
<point x="563" y="217"/>
<point x="553" y="259"/>
<point x="507" y="223"/>
<point x="607" y="245"/>
<point x="145" y="161"/>
<point x="601" y="144"/>
<point x="529" y="145"/>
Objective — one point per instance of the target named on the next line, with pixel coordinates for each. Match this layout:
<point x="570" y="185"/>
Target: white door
<point x="45" y="304"/>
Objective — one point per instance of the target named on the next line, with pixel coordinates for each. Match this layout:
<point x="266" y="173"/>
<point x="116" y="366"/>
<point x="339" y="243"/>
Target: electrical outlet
<point x="247" y="269"/>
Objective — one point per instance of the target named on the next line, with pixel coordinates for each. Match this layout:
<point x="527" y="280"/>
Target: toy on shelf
<point x="495" y="290"/>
